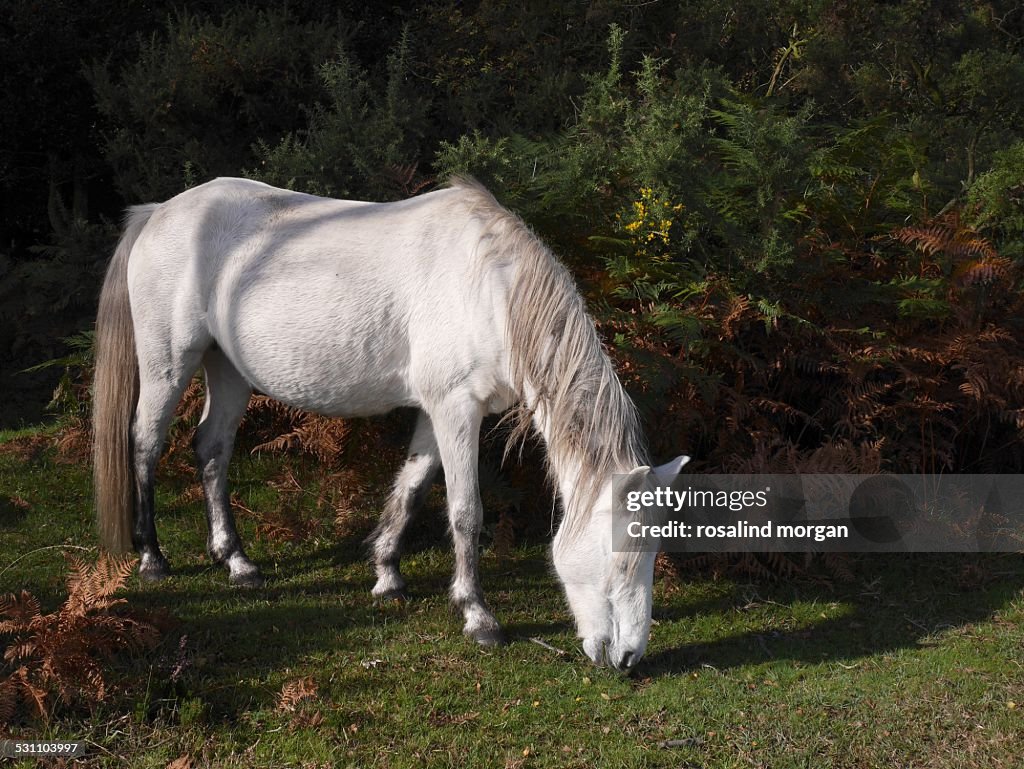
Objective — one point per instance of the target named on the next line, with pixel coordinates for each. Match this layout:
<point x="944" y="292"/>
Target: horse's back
<point x="341" y="307"/>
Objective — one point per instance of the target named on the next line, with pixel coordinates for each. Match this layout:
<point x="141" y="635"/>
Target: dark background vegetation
<point x="799" y="225"/>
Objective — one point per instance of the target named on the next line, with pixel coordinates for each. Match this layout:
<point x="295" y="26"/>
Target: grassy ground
<point x="916" y="663"/>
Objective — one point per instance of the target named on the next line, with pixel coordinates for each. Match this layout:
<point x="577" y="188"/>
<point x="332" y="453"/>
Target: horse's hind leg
<point x="227" y="395"/>
<point x="411" y="487"/>
<point x="457" y="427"/>
<point x="163" y="377"/>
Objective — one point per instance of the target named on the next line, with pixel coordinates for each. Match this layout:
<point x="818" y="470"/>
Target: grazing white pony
<point x="446" y="302"/>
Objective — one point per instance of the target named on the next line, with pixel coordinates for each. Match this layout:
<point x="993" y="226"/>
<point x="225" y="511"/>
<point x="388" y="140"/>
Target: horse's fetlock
<point x="153" y="567"/>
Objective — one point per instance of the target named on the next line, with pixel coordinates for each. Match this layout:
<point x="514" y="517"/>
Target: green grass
<point x="907" y="666"/>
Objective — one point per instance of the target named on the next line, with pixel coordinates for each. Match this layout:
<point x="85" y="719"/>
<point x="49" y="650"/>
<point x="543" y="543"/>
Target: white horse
<point x="446" y="302"/>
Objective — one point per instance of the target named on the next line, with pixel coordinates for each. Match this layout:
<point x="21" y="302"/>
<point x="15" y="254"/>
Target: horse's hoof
<point x="154" y="571"/>
<point x="488" y="636"/>
<point x="248" y="579"/>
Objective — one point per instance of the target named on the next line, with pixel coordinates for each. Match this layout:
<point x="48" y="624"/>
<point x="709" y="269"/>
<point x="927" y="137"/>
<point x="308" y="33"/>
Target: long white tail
<point x="115" y="393"/>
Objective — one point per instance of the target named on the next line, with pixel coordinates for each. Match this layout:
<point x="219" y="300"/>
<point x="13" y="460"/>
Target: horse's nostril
<point x="628" y="660"/>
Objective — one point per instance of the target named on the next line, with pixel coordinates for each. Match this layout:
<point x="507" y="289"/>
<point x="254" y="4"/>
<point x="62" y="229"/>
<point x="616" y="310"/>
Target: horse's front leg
<point x="227" y="395"/>
<point x="457" y="429"/>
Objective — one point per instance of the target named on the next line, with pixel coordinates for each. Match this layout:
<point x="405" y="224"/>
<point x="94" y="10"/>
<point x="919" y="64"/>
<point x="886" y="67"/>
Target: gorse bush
<point x="360" y="141"/>
<point x="799" y="227"/>
<point x="199" y="95"/>
<point x="760" y="279"/>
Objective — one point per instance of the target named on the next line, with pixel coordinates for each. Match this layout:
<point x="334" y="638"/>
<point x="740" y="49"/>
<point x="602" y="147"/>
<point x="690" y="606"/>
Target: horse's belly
<point x="337" y="368"/>
<point x="338" y="387"/>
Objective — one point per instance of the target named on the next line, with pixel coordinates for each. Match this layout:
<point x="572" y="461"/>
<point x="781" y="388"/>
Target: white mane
<point x="567" y="384"/>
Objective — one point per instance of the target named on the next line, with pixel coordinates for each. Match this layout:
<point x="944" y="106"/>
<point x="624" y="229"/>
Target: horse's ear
<point x="667" y="472"/>
<point x="635" y="479"/>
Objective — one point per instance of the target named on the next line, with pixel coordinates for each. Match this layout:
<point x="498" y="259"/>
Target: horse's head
<point x="609" y="593"/>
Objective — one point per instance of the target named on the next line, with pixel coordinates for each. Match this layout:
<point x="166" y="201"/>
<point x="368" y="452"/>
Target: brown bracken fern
<point x="294" y="693"/>
<point x="299" y="698"/>
<point x="65" y="654"/>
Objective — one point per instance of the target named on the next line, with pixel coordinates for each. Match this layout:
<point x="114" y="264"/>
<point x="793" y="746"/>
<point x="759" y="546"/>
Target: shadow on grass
<point x="524" y="631"/>
<point x="315" y="606"/>
<point x="898" y="603"/>
<point x="281" y="567"/>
